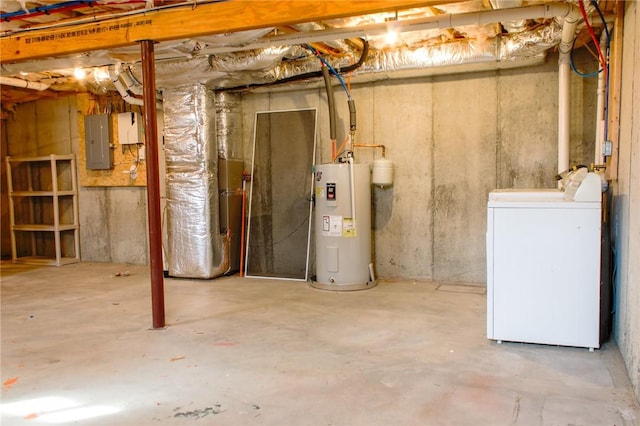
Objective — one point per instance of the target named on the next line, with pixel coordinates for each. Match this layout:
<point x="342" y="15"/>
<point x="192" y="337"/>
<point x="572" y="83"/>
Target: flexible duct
<point x="241" y="66"/>
<point x="519" y="49"/>
<point x="196" y="248"/>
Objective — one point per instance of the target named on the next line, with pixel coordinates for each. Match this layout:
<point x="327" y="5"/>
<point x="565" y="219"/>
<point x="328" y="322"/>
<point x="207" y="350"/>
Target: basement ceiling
<point x="253" y="56"/>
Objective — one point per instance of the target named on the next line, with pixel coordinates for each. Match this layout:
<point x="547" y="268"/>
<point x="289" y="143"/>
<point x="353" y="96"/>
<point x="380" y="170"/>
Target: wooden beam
<point x="615" y="89"/>
<point x="185" y="22"/>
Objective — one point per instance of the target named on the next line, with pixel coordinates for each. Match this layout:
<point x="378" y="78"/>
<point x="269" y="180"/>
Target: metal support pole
<point x="153" y="182"/>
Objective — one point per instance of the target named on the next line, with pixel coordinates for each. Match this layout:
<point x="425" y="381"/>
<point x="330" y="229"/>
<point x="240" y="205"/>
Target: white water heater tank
<point x="343" y="227"/>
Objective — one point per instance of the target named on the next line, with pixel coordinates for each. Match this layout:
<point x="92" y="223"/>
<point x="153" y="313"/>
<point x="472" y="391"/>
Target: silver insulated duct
<point x="230" y="167"/>
<point x="196" y="248"/>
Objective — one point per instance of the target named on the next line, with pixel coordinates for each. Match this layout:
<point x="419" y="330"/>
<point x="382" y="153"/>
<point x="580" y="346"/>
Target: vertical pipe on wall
<point x="153" y="183"/>
<point x="564" y="93"/>
<point x="569" y="26"/>
<point x="600" y="101"/>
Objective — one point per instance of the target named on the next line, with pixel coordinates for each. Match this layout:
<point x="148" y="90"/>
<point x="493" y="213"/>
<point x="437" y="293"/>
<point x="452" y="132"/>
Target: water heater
<point x="343" y="227"/>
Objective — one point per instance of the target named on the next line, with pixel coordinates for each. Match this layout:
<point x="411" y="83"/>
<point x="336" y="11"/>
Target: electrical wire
<point x="573" y="66"/>
<point x="594" y="3"/>
<point x="606" y="96"/>
<point x="593" y="35"/>
<point x="603" y="61"/>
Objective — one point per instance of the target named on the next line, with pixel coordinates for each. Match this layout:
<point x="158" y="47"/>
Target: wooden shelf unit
<point x="43" y="209"/>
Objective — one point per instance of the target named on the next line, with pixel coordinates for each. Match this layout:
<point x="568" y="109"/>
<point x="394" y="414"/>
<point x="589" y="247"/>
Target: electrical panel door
<point x="97" y="135"/>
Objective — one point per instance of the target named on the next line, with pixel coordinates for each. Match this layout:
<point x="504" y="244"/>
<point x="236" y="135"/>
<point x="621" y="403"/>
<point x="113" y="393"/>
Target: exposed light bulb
<point x="391" y="37"/>
<point x="79" y="73"/>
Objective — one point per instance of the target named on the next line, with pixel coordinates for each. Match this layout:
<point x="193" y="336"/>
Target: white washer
<point x="543" y="265"/>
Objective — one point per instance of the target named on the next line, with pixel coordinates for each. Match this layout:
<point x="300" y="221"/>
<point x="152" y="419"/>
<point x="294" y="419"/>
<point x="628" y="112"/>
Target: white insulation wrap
<point x="228" y="125"/>
<point x="196" y="249"/>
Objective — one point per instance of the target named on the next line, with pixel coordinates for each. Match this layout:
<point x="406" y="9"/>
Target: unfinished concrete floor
<point x="77" y="348"/>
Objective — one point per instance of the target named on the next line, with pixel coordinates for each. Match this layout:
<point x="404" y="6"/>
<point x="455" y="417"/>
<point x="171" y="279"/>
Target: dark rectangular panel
<point x="97" y="135"/>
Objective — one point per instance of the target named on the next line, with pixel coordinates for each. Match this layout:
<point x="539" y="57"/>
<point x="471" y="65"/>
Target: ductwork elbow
<point x="114" y="74"/>
<point x="569" y="26"/>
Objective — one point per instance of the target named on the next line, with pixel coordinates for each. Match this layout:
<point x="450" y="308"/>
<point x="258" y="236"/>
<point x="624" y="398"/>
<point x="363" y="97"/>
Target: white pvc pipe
<point x="25" y="84"/>
<point x="600" y="137"/>
<point x="126" y="96"/>
<point x="564" y="88"/>
<point x="132" y="85"/>
<point x="564" y="94"/>
<point x="353" y="191"/>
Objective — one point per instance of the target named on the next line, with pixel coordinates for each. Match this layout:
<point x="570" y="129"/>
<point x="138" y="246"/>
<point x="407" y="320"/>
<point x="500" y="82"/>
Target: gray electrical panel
<point x="97" y="136"/>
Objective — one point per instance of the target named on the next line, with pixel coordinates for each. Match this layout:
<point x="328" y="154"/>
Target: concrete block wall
<point x="452" y="140"/>
<point x="113" y="225"/>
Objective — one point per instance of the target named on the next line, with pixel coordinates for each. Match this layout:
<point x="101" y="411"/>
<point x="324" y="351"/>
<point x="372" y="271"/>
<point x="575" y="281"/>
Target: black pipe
<point x="330" y="102"/>
<point x="352" y="114"/>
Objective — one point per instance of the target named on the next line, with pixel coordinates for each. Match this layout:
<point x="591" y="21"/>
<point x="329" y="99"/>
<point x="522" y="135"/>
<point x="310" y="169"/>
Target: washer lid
<point x="538" y="204"/>
<point x="525" y="194"/>
<point x="536" y="198"/>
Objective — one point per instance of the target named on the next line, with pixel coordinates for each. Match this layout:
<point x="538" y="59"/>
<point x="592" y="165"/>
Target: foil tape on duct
<point x="228" y="125"/>
<point x="196" y="249"/>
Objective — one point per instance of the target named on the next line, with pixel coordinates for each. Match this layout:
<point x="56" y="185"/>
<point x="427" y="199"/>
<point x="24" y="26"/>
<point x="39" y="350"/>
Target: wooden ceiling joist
<point x="185" y="22"/>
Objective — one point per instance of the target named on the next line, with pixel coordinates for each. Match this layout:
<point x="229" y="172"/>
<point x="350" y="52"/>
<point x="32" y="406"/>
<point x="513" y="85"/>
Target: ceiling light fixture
<point x="391" y="37"/>
<point x="79" y="73"/>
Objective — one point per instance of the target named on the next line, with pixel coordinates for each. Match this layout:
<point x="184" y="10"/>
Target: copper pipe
<point x="366" y="145"/>
<point x="336" y="152"/>
<point x="153" y="182"/>
<point x="244" y="197"/>
<point x="245" y="177"/>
